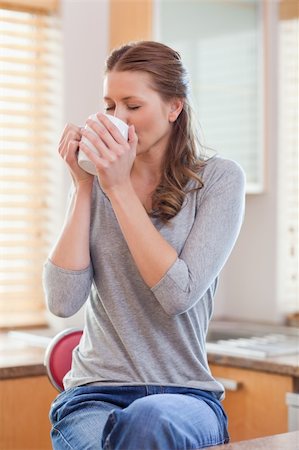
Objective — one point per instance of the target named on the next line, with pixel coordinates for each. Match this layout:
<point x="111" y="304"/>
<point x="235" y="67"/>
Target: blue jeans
<point x="137" y="418"/>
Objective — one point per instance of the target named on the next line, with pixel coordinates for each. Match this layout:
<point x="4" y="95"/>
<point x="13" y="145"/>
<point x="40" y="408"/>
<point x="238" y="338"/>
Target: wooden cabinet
<point x="24" y="410"/>
<point x="257" y="406"/>
<point x="130" y="21"/>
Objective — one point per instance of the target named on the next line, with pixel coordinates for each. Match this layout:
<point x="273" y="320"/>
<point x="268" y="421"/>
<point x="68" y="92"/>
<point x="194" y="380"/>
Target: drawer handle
<point x="229" y="385"/>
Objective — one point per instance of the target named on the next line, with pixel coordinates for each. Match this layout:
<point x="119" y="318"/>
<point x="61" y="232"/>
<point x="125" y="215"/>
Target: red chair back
<point x="58" y="356"/>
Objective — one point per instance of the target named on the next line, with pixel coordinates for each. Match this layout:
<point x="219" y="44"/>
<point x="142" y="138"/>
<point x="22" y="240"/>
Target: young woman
<point x="143" y="244"/>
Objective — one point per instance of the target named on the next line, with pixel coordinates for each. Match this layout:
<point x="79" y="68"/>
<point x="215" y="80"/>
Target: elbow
<point x="65" y="291"/>
<point x="174" y="299"/>
<point x="59" y="308"/>
<point x="61" y="303"/>
<point x="176" y="306"/>
<point x="59" y="313"/>
<point x="177" y="292"/>
<point x="184" y="301"/>
<point x="181" y="301"/>
<point x="55" y="301"/>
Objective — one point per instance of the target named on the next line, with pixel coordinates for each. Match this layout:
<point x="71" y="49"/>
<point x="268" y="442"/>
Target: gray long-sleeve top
<point x="134" y="334"/>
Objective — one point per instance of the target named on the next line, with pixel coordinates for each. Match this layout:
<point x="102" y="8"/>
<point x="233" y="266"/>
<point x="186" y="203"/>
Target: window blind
<point x="30" y="5"/>
<point x="29" y="120"/>
<point x="288" y="180"/>
<point x="228" y="96"/>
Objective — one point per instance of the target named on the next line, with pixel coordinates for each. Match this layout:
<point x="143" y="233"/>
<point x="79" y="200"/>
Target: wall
<point x="248" y="288"/>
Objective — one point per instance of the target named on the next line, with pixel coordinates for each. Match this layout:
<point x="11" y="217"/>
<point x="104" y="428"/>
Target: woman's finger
<point x="132" y="136"/>
<point x="112" y="129"/>
<point x="70" y="155"/>
<point x="71" y="129"/>
<point x="69" y="137"/>
<point x="99" y="145"/>
<point x="100" y="130"/>
<point x="95" y="159"/>
<point x="70" y="133"/>
<point x="110" y="144"/>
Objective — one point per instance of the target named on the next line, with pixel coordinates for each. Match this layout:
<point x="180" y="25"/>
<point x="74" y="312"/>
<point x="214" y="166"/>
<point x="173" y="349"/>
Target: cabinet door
<point x="257" y="406"/>
<point x="129" y="21"/>
<point x="24" y="422"/>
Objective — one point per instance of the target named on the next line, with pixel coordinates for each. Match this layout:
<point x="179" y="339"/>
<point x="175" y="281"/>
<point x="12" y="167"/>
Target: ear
<point x="176" y="106"/>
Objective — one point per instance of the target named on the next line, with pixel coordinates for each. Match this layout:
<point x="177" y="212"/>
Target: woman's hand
<point x="115" y="155"/>
<point x="68" y="150"/>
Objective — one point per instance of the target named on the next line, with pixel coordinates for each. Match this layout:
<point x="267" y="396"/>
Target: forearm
<point x="152" y="254"/>
<point x="72" y="248"/>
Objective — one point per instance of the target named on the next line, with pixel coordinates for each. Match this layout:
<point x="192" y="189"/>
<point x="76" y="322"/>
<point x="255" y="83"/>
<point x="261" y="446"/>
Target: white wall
<point x="85" y="47"/>
<point x="248" y="284"/>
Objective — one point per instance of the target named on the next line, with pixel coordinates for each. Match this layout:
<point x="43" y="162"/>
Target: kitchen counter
<point x="282" y="365"/>
<point x="22" y="356"/>
<point x="287" y="364"/>
<point x="18" y="358"/>
<point x="286" y="441"/>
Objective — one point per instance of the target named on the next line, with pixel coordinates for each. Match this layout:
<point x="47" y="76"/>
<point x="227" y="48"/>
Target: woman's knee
<point x="163" y="421"/>
<point x="145" y="424"/>
<point x="150" y="411"/>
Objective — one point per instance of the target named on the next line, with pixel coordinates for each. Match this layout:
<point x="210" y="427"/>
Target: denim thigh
<point x="78" y="417"/>
<point x="167" y="421"/>
<point x="136" y="418"/>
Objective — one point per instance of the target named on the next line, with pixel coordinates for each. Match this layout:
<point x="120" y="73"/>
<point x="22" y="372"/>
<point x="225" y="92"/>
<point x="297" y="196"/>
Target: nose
<point x="121" y="114"/>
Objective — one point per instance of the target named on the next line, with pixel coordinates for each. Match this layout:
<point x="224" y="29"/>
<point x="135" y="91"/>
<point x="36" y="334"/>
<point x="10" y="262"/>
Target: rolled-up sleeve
<point x="66" y="290"/>
<point x="213" y="235"/>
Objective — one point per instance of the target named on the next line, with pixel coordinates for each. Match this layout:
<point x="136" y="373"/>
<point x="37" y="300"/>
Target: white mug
<point x="83" y="161"/>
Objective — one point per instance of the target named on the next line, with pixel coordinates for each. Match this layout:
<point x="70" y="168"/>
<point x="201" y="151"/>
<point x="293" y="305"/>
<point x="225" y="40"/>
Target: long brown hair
<point x="170" y="80"/>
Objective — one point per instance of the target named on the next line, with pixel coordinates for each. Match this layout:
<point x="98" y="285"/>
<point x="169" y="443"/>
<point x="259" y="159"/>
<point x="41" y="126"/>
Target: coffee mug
<point x="85" y="162"/>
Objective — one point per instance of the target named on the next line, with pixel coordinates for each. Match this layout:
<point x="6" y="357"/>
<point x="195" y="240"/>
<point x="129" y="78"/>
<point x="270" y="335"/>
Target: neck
<point x="145" y="178"/>
<point x="147" y="169"/>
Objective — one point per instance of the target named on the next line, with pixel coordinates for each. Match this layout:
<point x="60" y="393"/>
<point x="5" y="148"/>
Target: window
<point x="221" y="43"/>
<point x="30" y="117"/>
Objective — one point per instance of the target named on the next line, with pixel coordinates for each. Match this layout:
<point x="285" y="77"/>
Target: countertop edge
<point x="269" y="366"/>
<point x="265" y="365"/>
<point x="22" y="371"/>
